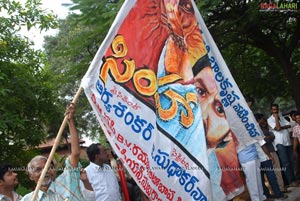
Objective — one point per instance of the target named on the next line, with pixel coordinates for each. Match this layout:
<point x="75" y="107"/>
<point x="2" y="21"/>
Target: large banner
<point x="239" y="116"/>
<point x="167" y="102"/>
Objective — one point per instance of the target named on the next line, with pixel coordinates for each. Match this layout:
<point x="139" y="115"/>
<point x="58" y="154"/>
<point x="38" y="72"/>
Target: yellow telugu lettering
<point x="148" y="75"/>
<point x="144" y="81"/>
<point x="120" y="50"/>
<point x="175" y="98"/>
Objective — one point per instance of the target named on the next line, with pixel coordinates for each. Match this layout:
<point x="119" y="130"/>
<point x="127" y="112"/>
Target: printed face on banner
<point x="217" y="129"/>
<point x="219" y="136"/>
<point x="163" y="78"/>
<point x="161" y="108"/>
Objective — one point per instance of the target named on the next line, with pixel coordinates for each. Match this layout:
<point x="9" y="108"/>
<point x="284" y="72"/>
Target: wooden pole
<point x="53" y="150"/>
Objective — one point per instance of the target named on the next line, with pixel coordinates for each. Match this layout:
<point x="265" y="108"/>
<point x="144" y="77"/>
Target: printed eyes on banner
<point x="201" y="92"/>
<point x="219" y="107"/>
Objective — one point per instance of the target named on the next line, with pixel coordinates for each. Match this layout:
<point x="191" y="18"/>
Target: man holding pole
<point x="67" y="185"/>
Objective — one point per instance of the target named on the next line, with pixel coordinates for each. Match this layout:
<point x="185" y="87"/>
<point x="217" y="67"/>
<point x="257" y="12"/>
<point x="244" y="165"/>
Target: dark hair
<point x="274" y="105"/>
<point x="258" y="116"/>
<point x="4" y="167"/>
<point x="200" y="64"/>
<point x="292" y="113"/>
<point x="287" y="118"/>
<point x="297" y="113"/>
<point x="92" y="151"/>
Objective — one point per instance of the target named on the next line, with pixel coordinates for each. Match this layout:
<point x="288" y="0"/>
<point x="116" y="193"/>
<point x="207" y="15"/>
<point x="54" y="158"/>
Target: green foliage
<point x="22" y="190"/>
<point x="27" y="102"/>
<point x="59" y="163"/>
<point x="84" y="162"/>
<point x="30" y="14"/>
<point x="20" y="163"/>
<point x="261" y="48"/>
<point x="73" y="48"/>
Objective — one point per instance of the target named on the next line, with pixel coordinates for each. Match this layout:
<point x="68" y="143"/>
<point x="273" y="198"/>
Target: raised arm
<point x="277" y="123"/>
<point x="75" y="148"/>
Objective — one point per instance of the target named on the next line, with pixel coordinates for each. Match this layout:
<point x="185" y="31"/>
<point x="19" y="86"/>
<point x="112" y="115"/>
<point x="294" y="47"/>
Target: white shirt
<point x="293" y="124"/>
<point x="16" y="196"/>
<point x="261" y="154"/>
<point x="104" y="182"/>
<point x="87" y="194"/>
<point x="281" y="137"/>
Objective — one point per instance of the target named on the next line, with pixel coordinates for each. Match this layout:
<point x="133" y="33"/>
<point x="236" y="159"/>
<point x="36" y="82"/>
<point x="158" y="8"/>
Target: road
<point x="294" y="195"/>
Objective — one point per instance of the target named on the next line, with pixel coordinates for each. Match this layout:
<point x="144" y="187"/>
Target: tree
<point x="74" y="47"/>
<point x="233" y="25"/>
<point x="261" y="48"/>
<point x="27" y="102"/>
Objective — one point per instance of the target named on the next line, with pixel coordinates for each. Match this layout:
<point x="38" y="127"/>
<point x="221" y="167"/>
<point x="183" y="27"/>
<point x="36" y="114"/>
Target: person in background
<point x="250" y="163"/>
<point x="266" y="161"/>
<point x="293" y="123"/>
<point x="101" y="175"/>
<point x="296" y="139"/>
<point x="8" y="182"/>
<point x="279" y="126"/>
<point x="133" y="189"/>
<point x="86" y="187"/>
<point x="269" y="138"/>
<point x="292" y="119"/>
<point x="67" y="185"/>
<point x="266" y="168"/>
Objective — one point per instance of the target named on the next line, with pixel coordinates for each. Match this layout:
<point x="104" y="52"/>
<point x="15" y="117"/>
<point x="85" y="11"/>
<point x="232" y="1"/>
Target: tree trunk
<point x="293" y="79"/>
<point x="296" y="94"/>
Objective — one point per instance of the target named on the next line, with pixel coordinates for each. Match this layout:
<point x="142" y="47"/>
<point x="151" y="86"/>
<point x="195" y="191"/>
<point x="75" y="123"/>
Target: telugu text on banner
<point x="168" y="104"/>
<point x="140" y="87"/>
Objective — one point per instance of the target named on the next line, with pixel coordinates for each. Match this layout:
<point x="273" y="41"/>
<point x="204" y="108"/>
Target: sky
<point x="50" y="5"/>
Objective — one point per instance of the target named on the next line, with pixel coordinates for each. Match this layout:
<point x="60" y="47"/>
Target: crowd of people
<point x="97" y="181"/>
<point x="275" y="158"/>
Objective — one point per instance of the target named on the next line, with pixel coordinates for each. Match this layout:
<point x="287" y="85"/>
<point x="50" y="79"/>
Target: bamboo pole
<point x="53" y="150"/>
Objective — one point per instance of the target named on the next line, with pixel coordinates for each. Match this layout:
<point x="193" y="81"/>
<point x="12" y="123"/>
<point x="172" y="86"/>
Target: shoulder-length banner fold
<point x="168" y="104"/>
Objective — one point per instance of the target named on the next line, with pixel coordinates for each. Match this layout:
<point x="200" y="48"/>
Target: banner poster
<point x="168" y="104"/>
<point x="239" y="116"/>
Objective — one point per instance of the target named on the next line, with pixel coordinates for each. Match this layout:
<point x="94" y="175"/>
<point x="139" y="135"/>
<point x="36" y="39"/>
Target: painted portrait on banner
<point x="157" y="87"/>
<point x="152" y="121"/>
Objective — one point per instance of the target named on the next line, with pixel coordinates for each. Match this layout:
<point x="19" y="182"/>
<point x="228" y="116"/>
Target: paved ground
<point x="294" y="195"/>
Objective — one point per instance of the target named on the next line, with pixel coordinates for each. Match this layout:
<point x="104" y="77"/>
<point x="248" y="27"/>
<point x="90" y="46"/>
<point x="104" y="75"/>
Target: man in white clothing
<point x="282" y="143"/>
<point x="100" y="175"/>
